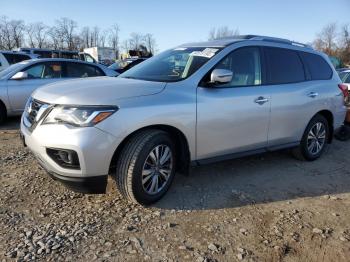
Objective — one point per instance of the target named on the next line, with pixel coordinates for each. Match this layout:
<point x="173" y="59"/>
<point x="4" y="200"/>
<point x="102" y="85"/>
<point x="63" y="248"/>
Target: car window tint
<point x="82" y="70"/>
<point x="52" y="70"/>
<point x="43" y="54"/>
<point x="89" y="59"/>
<point x="245" y="65"/>
<point x="35" y="72"/>
<point x="343" y="75"/>
<point x="15" y="58"/>
<point x="283" y="66"/>
<point x="319" y="69"/>
<point x="347" y="80"/>
<point x="10" y="58"/>
<point x="45" y="70"/>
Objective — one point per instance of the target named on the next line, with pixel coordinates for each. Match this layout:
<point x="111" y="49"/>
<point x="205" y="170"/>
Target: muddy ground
<point x="269" y="207"/>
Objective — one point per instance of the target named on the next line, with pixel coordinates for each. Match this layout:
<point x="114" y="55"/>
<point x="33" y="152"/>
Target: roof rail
<point x="279" y="40"/>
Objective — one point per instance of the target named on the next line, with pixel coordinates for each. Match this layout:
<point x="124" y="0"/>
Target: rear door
<point x="81" y="70"/>
<point x="234" y="117"/>
<point x="294" y="98"/>
<point x="39" y="74"/>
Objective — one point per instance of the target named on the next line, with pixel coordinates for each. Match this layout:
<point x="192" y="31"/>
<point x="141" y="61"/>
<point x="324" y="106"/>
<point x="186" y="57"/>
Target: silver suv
<point x="192" y="104"/>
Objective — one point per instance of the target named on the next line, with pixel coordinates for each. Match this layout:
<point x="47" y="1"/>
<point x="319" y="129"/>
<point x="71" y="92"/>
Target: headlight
<point x="79" y="115"/>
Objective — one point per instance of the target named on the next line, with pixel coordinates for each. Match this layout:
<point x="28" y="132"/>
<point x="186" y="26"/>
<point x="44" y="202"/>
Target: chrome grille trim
<point x="35" y="110"/>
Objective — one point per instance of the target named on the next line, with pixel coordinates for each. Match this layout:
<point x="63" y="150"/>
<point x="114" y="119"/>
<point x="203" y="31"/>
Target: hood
<point x="95" y="91"/>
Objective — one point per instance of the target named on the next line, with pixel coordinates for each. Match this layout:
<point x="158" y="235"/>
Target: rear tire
<point x="3" y="113"/>
<point x="139" y="177"/>
<point x="314" y="141"/>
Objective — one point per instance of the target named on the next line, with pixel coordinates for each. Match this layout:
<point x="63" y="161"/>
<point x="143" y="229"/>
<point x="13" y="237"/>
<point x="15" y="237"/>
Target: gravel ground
<point x="262" y="208"/>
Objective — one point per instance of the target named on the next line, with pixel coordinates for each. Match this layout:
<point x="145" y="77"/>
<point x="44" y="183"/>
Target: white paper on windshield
<point x="208" y="52"/>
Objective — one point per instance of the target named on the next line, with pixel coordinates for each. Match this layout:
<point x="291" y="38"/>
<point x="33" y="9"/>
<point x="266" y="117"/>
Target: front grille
<point x="35" y="110"/>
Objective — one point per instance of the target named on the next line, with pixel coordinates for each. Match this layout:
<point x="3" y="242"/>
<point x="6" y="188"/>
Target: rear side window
<point x="15" y="58"/>
<point x="78" y="70"/>
<point x="283" y="66"/>
<point x="317" y="66"/>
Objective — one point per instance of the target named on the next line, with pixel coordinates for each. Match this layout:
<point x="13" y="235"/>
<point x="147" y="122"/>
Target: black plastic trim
<point x="87" y="185"/>
<point x="215" y="159"/>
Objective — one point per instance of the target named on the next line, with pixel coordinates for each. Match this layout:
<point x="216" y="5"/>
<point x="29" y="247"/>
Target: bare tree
<point x="136" y="39"/>
<point x="150" y="43"/>
<point x="114" y="38"/>
<point x="102" y="41"/>
<point x="66" y="29"/>
<point x="345" y="44"/>
<point x="326" y="39"/>
<point x="11" y="33"/>
<point x="40" y="34"/>
<point x="85" y="36"/>
<point x="222" y="32"/>
<point x="95" y="36"/>
<point x="30" y="35"/>
<point x="126" y="46"/>
<point x="17" y="28"/>
<point x="56" y="39"/>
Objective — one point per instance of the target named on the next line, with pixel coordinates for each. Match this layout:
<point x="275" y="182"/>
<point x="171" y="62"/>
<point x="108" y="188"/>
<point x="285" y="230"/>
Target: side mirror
<point x="221" y="76"/>
<point x="20" y="76"/>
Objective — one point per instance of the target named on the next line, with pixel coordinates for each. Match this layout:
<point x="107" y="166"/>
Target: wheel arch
<point x="181" y="146"/>
<point x="330" y="119"/>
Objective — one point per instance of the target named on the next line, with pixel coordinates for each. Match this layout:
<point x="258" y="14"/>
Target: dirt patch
<point x="263" y="208"/>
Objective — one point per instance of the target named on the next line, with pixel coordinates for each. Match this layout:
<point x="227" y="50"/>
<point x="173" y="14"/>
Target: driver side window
<point x="45" y="70"/>
<point x="245" y="64"/>
<point x="35" y="72"/>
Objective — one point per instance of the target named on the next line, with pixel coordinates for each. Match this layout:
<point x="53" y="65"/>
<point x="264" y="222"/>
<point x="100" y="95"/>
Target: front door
<point x="234" y="117"/>
<point x="38" y="75"/>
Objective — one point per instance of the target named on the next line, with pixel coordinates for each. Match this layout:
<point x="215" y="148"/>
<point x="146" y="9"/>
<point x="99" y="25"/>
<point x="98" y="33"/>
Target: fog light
<point x="64" y="157"/>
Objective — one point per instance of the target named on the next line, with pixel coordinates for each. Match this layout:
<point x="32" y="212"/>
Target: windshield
<point x="120" y="64"/>
<point x="172" y="65"/>
<point x="10" y="69"/>
<point x="342" y="75"/>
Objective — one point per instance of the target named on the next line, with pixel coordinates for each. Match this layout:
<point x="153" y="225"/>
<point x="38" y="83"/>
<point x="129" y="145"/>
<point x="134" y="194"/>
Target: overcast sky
<point x="180" y="21"/>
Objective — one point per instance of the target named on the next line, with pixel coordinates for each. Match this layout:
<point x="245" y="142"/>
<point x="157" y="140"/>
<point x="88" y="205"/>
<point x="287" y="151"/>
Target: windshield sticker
<point x="180" y="49"/>
<point x="208" y="52"/>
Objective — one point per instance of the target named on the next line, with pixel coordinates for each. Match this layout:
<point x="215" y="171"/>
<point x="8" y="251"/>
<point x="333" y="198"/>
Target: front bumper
<point x="88" y="185"/>
<point x="93" y="146"/>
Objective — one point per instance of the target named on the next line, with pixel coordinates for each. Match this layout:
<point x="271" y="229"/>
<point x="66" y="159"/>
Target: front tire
<point x="314" y="140"/>
<point x="146" y="167"/>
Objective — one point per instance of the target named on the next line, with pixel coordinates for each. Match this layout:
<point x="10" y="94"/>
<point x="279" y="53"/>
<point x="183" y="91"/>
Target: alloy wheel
<point x="157" y="169"/>
<point x="316" y="138"/>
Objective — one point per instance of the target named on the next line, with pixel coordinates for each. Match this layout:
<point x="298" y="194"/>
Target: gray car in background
<point x="18" y="81"/>
<point x="193" y="104"/>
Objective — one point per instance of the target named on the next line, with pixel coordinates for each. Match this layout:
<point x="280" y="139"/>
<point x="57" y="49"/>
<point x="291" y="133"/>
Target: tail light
<point x="345" y="90"/>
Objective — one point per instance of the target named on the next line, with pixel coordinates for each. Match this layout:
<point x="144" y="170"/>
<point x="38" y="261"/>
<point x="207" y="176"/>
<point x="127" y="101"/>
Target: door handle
<point x="312" y="94"/>
<point x="261" y="100"/>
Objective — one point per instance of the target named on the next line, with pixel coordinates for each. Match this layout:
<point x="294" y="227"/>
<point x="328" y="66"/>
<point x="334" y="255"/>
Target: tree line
<point x="65" y="34"/>
<point x="334" y="40"/>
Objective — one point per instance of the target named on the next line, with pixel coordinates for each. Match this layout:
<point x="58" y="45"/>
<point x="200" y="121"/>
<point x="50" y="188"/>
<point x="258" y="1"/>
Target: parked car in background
<point x="123" y="65"/>
<point x="339" y="70"/>
<point x="8" y="58"/>
<point x="196" y="103"/>
<point x="344" y="75"/>
<point x="103" y="55"/>
<point x="18" y="81"/>
<point x="51" y="53"/>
